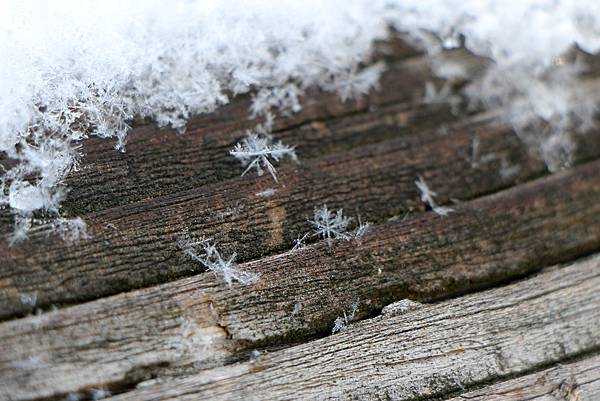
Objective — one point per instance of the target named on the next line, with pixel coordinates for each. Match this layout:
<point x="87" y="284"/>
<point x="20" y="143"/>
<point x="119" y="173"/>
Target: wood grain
<point x="199" y="322"/>
<point x="158" y="162"/>
<point x="136" y="245"/>
<point x="421" y="352"/>
<point x="579" y="381"/>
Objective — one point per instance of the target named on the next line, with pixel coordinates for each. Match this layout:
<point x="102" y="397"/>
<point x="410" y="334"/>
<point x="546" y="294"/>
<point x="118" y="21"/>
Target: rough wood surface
<point x="423" y="352"/>
<point x="486" y="241"/>
<point x="579" y="381"/>
<point x="158" y="162"/>
<point x="363" y="161"/>
<point x="136" y="245"/>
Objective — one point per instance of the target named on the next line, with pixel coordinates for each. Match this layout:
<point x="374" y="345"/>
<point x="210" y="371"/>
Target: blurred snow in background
<point x="71" y="69"/>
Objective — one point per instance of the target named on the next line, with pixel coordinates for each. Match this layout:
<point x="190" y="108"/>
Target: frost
<point x="427" y="197"/>
<point x="70" y="230"/>
<point x="256" y="149"/>
<point x="331" y="225"/>
<point x="205" y="253"/>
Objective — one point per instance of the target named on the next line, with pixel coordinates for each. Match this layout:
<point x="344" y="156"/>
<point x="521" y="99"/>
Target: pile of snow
<point x="71" y="69"/>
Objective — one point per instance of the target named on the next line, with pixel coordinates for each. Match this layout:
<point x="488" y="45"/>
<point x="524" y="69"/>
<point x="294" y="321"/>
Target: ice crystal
<point x="299" y="242"/>
<point x="70" y="230"/>
<point x="99" y="393"/>
<point x="427" y="197"/>
<point x="362" y="229"/>
<point x="266" y="193"/>
<point x="257" y="149"/>
<point x="331" y="225"/>
<point x="29" y="300"/>
<point x="207" y="254"/>
<point x="340" y="322"/>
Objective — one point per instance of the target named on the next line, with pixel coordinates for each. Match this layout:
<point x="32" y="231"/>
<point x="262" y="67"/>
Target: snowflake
<point x="210" y="258"/>
<point x="427" y="196"/>
<point x="331" y="225"/>
<point x="352" y="84"/>
<point x="256" y="150"/>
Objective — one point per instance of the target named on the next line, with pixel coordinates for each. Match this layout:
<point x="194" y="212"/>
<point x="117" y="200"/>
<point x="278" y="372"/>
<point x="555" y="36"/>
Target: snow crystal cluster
<point x="71" y="69"/>
<point x="333" y="225"/>
<point x="258" y="148"/>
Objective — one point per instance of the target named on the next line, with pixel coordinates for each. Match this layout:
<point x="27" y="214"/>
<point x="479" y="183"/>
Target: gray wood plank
<point x="424" y="352"/>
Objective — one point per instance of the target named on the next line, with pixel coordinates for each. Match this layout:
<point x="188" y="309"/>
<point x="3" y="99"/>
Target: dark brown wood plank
<point x="423" y="352"/>
<point x="136" y="245"/>
<point x="158" y="161"/>
<point x="199" y="322"/>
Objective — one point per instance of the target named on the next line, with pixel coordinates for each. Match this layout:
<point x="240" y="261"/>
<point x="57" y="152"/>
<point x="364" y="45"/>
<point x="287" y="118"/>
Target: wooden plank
<point x="200" y="322"/>
<point x="158" y="161"/>
<point x="136" y="245"/>
<point x="579" y="381"/>
<point x="424" y="352"/>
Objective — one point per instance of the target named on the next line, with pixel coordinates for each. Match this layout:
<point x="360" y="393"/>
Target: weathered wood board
<point x="425" y="351"/>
